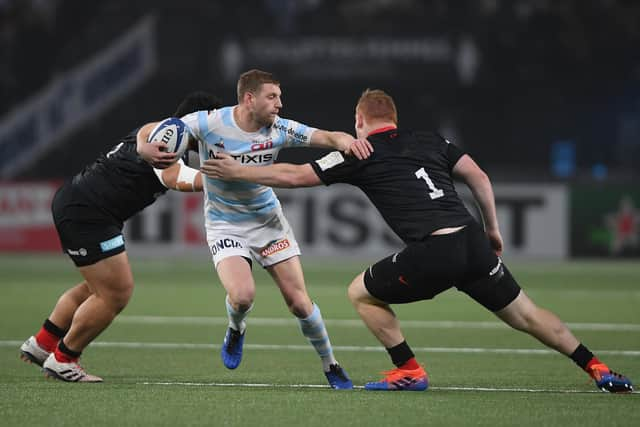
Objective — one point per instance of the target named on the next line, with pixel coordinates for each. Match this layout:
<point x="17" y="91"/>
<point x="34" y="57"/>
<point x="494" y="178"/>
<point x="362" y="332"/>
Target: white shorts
<point x="268" y="240"/>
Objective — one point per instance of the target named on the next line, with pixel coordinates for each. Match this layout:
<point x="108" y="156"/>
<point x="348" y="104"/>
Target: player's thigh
<point x="487" y="280"/>
<point x="358" y="292"/>
<point x="418" y="272"/>
<point x="110" y="278"/>
<point x="235" y="275"/>
<point x="288" y="276"/>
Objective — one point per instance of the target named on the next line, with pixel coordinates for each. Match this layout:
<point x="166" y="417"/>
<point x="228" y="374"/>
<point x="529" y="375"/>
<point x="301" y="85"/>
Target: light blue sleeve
<point x="294" y="133"/>
<point x="191" y="120"/>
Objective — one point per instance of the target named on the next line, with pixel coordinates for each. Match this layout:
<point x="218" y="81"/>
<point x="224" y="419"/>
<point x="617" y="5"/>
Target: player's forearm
<point x="278" y="175"/>
<point x="340" y="141"/>
<point x="141" y="139"/>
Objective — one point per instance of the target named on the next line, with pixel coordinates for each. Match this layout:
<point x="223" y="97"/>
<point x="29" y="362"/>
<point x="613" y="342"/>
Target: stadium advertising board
<point x="341" y="222"/>
<point x="25" y="217"/>
<point x="344" y="58"/>
<point x="533" y="218"/>
<point x="605" y="221"/>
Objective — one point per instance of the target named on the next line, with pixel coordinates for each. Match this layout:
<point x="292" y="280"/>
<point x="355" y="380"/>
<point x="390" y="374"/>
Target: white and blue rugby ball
<point x="172" y="132"/>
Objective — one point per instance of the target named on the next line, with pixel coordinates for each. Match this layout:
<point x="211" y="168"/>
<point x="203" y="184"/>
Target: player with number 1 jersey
<point x="409" y="179"/>
<point x="405" y="163"/>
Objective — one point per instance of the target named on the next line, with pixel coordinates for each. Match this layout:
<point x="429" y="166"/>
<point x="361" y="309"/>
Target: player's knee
<point x="301" y="311"/>
<point x="300" y="305"/>
<point x="243" y="303"/>
<point x="120" y="298"/>
<point x="116" y="294"/>
<point x="242" y="297"/>
<point x="78" y="294"/>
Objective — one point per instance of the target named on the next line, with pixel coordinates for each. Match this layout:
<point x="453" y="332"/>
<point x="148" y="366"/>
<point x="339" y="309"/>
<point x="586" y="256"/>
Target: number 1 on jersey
<point x="435" y="192"/>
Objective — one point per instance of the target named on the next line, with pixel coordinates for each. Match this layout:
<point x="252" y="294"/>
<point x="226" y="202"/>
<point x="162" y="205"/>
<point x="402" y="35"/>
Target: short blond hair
<point x="377" y="105"/>
<point x="252" y="81"/>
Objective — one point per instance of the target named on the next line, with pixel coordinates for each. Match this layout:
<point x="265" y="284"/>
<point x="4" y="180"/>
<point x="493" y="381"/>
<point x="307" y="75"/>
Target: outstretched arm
<point x="342" y="141"/>
<point x="480" y="185"/>
<point x="285" y="175"/>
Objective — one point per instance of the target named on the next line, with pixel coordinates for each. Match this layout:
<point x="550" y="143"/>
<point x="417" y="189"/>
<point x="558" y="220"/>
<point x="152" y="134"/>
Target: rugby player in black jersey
<point x="89" y="211"/>
<point x="409" y="179"/>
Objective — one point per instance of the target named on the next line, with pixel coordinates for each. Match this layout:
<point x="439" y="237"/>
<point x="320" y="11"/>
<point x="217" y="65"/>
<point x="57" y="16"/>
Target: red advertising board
<point x="193" y="220"/>
<point x="25" y="217"/>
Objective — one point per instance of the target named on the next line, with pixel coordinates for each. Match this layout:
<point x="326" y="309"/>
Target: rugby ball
<point x="172" y="132"/>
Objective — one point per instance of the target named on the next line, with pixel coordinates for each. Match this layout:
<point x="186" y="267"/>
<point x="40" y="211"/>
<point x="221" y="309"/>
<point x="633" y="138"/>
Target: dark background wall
<point x="505" y="79"/>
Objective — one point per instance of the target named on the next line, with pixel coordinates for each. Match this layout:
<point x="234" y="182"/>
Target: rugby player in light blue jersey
<point x="244" y="221"/>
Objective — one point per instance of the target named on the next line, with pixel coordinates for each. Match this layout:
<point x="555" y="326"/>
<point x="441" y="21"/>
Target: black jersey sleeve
<point x="453" y="153"/>
<point x="335" y="167"/>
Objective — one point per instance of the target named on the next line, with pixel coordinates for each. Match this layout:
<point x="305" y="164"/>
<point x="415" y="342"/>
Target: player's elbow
<point x="482" y="178"/>
<point x="479" y="183"/>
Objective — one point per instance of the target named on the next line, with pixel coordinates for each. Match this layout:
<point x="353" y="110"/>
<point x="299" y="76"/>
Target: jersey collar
<point x="381" y="130"/>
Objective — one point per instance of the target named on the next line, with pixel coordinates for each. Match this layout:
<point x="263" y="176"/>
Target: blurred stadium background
<point x="544" y="94"/>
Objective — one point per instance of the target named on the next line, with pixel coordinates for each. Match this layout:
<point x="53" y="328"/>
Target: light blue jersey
<point x="217" y="132"/>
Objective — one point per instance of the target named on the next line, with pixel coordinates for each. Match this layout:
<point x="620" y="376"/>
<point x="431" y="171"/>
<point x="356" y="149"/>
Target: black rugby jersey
<point x="407" y="178"/>
<point x="120" y="182"/>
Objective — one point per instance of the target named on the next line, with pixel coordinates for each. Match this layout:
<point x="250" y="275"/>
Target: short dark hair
<point x="252" y="81"/>
<point x="197" y="101"/>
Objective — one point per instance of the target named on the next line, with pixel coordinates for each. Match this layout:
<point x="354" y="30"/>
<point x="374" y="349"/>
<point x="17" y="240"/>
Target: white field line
<point x="353" y="323"/>
<point x="324" y="386"/>
<point x="201" y="346"/>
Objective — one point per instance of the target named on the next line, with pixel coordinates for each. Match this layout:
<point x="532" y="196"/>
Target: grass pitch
<point x="161" y="364"/>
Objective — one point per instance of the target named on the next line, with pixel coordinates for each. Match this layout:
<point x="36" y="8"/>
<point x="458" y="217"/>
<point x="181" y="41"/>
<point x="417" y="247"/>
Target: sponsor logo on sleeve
<point x="298" y="136"/>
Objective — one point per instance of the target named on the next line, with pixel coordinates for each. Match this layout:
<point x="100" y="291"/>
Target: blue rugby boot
<point x="338" y="378"/>
<point x="231" y="351"/>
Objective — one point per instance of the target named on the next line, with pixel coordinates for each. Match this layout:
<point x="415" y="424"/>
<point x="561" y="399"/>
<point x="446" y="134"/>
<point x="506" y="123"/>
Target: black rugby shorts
<point x="87" y="234"/>
<point x="463" y="259"/>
